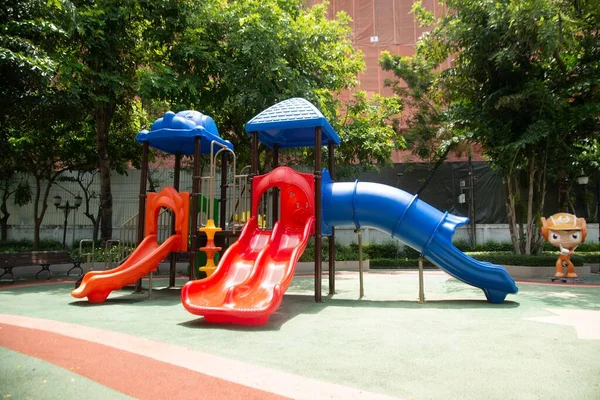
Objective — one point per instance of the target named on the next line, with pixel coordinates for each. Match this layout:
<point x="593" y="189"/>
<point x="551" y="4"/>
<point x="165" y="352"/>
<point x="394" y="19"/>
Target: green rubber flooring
<point x="455" y="346"/>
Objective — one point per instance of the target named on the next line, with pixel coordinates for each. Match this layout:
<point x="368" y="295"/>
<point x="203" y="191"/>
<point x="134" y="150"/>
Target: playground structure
<point x="255" y="271"/>
<point x="186" y="133"/>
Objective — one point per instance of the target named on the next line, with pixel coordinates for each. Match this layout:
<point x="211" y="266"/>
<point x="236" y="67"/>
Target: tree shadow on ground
<point x="562" y="296"/>
<point x="19" y="288"/>
<point x="294" y="305"/>
<point x="160" y="297"/>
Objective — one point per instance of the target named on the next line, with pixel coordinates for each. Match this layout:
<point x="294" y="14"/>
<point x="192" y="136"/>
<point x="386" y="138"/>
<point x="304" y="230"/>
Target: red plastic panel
<point x="297" y="197"/>
<point x="178" y="202"/>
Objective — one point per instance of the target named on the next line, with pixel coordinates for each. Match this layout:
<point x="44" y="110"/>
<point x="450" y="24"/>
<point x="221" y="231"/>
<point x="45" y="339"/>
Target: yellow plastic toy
<point x="210" y="249"/>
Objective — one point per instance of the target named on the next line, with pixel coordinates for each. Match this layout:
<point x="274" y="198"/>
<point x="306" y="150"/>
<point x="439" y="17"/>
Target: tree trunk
<point x="511" y="213"/>
<point x="36" y="219"/>
<point x="97" y="225"/>
<point x="563" y="195"/>
<point x="437" y="165"/>
<point x="104" y="113"/>
<point x="530" y="222"/>
<point x="4" y="225"/>
<point x="539" y="240"/>
<point x="39" y="215"/>
<point x="4" y="218"/>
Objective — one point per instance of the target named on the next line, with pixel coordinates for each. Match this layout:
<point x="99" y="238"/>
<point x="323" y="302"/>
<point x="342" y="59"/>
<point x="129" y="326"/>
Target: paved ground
<point x="540" y="344"/>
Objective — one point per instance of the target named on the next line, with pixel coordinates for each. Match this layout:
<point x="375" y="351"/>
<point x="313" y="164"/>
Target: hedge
<point x="391" y="263"/>
<point x="16" y="246"/>
<point x="544" y="260"/>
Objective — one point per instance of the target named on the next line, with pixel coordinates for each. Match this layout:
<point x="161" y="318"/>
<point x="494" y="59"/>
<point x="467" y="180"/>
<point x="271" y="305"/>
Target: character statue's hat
<point x="563" y="222"/>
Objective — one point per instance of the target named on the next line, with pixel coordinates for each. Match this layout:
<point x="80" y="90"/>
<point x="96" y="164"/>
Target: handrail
<point x="107" y="263"/>
<point x="90" y="256"/>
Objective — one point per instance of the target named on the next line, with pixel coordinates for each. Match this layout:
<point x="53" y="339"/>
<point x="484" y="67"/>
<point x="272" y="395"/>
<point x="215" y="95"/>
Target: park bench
<point x="44" y="259"/>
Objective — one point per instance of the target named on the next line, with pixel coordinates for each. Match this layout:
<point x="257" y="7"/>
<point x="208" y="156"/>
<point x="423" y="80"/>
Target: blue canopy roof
<point x="291" y="123"/>
<point x="175" y="133"/>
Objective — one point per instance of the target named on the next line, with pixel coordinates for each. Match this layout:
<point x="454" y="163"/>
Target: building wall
<point x="380" y="25"/>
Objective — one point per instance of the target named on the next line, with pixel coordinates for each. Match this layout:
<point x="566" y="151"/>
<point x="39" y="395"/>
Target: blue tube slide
<point x="417" y="224"/>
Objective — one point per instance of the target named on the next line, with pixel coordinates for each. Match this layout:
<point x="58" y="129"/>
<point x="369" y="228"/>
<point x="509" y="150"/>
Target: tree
<point x="11" y="184"/>
<point x="46" y="147"/>
<point x="29" y="43"/>
<point x="428" y="133"/>
<point x="111" y="41"/>
<point x="367" y="129"/>
<point x="235" y="59"/>
<point x="518" y="85"/>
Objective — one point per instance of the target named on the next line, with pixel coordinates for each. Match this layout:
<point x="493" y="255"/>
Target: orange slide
<point x="97" y="285"/>
<point x="255" y="272"/>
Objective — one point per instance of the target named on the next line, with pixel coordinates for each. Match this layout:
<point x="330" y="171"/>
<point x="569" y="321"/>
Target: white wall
<point x="125" y="191"/>
<point x="344" y="235"/>
<point x="484" y="232"/>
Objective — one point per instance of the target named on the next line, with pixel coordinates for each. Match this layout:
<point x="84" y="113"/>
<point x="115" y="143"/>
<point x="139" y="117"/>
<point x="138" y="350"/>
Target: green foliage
<point x="488" y="246"/>
<point x="521" y="85"/>
<point x="422" y="14"/>
<point x="342" y="253"/>
<point x="232" y="60"/>
<point x="112" y="254"/>
<point x="543" y="260"/>
<point x="367" y="129"/>
<point x="385" y="250"/>
<point x="587" y="248"/>
<point x="582" y="248"/>
<point x="28" y="43"/>
<point x="399" y="263"/>
<point x="23" y="194"/>
<point x="391" y="254"/>
<point x="414" y="82"/>
<point x="16" y="246"/>
<point x="428" y="133"/>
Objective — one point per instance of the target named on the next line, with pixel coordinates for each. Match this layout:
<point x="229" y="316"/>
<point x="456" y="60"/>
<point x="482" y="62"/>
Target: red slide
<point x="97" y="285"/>
<point x="255" y="271"/>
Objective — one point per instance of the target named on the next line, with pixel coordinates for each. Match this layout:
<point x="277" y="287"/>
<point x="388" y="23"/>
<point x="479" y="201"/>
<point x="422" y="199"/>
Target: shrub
<point x="494" y="252"/>
<point x="391" y="263"/>
<point x="543" y="260"/>
<point x="490" y="245"/>
<point x="386" y="250"/>
<point x="587" y="248"/>
<point x="463" y="245"/>
<point x="590" y="258"/>
<point x="15" y="246"/>
<point x="112" y="254"/>
<point x="409" y="252"/>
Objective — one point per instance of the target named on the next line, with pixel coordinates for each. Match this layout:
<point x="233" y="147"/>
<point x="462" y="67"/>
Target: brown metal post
<point x="142" y="203"/>
<point x="194" y="208"/>
<point x="254" y="155"/>
<point x="318" y="233"/>
<point x="331" y="165"/>
<point x="275" y="190"/>
<point x="472" y="202"/>
<point x="253" y="161"/>
<point x="224" y="186"/>
<point x="173" y="257"/>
